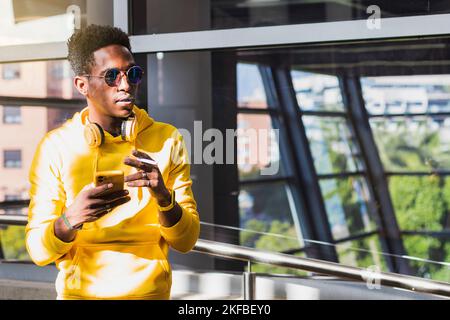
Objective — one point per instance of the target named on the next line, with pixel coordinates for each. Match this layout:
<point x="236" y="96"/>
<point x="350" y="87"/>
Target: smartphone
<point x="116" y="177"/>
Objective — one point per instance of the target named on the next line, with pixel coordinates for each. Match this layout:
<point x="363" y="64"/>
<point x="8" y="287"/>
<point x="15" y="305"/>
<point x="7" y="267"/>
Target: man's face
<point x="112" y="101"/>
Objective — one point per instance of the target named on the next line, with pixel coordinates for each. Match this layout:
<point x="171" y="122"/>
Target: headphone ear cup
<point x="94" y="135"/>
<point x="128" y="129"/>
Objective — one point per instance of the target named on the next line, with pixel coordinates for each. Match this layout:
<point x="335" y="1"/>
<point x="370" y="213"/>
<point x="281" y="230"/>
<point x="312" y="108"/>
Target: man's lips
<point x="125" y="99"/>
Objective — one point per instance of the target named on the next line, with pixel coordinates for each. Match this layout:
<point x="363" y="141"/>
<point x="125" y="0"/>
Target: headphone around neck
<point x="95" y="136"/>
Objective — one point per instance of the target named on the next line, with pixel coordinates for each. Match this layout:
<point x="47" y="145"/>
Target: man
<point x="110" y="245"/>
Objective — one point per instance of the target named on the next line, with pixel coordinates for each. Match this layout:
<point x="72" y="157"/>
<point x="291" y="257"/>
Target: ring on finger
<point x="144" y="175"/>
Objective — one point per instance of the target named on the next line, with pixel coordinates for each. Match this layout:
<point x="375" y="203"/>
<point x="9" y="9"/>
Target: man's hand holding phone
<point x="92" y="203"/>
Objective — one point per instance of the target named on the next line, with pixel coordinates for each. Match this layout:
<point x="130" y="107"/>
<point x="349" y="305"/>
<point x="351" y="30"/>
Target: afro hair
<point x="84" y="42"/>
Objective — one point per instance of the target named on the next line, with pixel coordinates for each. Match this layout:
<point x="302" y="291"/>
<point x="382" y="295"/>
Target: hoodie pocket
<point x="118" y="271"/>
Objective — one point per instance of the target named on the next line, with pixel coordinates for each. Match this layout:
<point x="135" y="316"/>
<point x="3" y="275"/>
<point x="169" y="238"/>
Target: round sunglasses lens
<point x="135" y="75"/>
<point x="111" y="76"/>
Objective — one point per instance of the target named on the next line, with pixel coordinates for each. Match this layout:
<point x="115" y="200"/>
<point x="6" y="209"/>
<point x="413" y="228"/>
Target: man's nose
<point x="123" y="83"/>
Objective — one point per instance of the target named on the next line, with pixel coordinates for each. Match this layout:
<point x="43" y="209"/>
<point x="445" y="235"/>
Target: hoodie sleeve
<point x="184" y="234"/>
<point x="47" y="200"/>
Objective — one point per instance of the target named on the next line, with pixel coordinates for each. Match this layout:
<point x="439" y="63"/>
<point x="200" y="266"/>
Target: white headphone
<point x="95" y="136"/>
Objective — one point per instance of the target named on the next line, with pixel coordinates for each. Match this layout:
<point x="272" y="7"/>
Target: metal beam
<point x="33" y="52"/>
<point x="390" y="235"/>
<point x="418" y="173"/>
<point x="314" y="213"/>
<point x="416" y="26"/>
<point x="411" y="115"/>
<point x="43" y="102"/>
<point x="303" y="228"/>
<point x="226" y="176"/>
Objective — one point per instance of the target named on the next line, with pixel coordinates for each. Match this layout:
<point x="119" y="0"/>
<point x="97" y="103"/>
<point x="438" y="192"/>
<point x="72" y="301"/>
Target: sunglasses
<point x="113" y="76"/>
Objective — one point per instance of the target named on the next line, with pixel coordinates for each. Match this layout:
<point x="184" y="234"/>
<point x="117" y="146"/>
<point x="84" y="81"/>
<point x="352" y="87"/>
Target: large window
<point x="334" y="189"/>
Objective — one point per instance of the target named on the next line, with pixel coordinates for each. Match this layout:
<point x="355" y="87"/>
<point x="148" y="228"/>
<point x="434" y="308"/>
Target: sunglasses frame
<point x="120" y="74"/>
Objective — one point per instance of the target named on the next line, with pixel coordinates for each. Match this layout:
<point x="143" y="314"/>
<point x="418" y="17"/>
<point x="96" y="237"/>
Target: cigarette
<point x="148" y="161"/>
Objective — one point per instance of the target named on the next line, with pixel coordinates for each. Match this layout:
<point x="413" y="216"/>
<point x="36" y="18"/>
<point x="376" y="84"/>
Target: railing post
<point x="248" y="283"/>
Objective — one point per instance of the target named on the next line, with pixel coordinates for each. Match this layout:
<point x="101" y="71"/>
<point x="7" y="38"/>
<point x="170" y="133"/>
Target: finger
<point x="140" y="175"/>
<point x="139" y="165"/>
<point x="120" y="202"/>
<point x="113" y="204"/>
<point x="141" y="154"/>
<point x="108" y="207"/>
<point x="88" y="186"/>
<point x="97" y="191"/>
<point x="105" y="203"/>
<point x="140" y="183"/>
<point x="114" y="195"/>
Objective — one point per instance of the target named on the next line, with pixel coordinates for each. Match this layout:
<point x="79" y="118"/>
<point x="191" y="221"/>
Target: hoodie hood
<point x="144" y="121"/>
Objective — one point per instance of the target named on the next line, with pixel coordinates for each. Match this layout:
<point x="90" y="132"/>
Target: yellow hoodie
<point x="123" y="255"/>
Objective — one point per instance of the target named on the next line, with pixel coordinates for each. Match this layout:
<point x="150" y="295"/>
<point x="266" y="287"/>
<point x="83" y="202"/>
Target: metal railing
<point x="251" y="255"/>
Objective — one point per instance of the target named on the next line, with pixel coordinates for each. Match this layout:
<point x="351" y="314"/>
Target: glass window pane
<point x="12" y="158"/>
<point x="34" y="22"/>
<point x="36" y="121"/>
<point x="13" y="243"/>
<point x="250" y="87"/>
<point x="11" y="71"/>
<point x="431" y="256"/>
<point x="422" y="202"/>
<point x="362" y="253"/>
<point x="347" y="206"/>
<point x="42" y="79"/>
<point x="11" y="115"/>
<point x="406" y="94"/>
<point x="163" y="16"/>
<point x="266" y="217"/>
<point x="413" y="143"/>
<point x="317" y="92"/>
<point x="258" y="150"/>
<point x="332" y="145"/>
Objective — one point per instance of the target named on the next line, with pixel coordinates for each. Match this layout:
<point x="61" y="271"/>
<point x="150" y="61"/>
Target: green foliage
<point x="286" y="240"/>
<point x="420" y="202"/>
<point x="362" y="253"/>
<point x="249" y="237"/>
<point x="13" y="243"/>
<point x="411" y="146"/>
<point x="279" y="237"/>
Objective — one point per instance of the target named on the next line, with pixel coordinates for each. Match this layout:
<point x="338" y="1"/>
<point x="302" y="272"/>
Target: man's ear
<point x="81" y="84"/>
